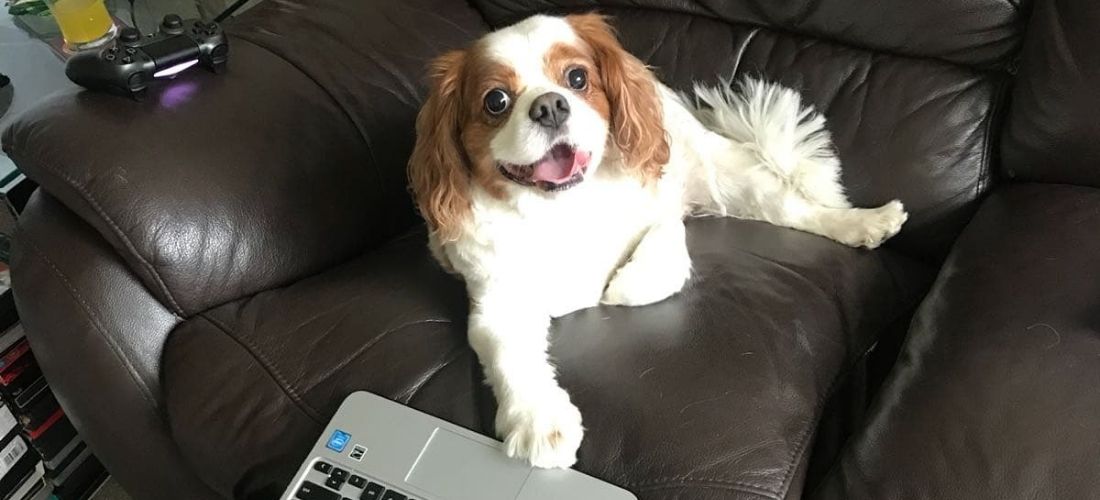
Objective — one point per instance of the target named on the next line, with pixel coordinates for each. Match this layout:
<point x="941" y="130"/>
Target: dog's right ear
<point x="439" y="171"/>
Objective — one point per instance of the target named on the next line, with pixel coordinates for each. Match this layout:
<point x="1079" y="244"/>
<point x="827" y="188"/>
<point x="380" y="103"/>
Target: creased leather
<point x="715" y="392"/>
<point x="994" y="396"/>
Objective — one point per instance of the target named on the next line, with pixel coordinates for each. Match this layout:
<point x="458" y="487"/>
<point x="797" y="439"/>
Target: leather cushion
<point x="994" y="396"/>
<point x="714" y="393"/>
<point x="982" y="33"/>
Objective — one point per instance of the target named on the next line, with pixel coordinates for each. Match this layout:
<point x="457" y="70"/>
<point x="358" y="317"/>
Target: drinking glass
<point x="84" y="23"/>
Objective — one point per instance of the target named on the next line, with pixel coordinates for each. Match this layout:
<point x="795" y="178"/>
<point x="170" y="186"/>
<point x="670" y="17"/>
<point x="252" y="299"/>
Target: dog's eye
<point x="497" y="101"/>
<point x="577" y="78"/>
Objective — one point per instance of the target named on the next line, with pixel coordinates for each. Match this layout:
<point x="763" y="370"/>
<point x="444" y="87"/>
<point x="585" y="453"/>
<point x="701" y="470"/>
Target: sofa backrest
<point x="1052" y="133"/>
<point x="914" y="93"/>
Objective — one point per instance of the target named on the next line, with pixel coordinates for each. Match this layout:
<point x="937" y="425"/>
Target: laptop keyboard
<point x="335" y="481"/>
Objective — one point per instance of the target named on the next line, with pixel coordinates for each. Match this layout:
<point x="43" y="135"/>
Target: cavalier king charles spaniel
<point x="555" y="171"/>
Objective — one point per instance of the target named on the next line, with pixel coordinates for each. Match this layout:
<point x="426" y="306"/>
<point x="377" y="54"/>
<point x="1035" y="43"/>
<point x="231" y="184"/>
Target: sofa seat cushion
<point x="713" y="393"/>
<point x="995" y="394"/>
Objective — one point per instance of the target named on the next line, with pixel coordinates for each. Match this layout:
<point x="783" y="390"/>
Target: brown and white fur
<point x="550" y="206"/>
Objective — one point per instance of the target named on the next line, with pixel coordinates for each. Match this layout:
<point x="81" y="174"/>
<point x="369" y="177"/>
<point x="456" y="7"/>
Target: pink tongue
<point x="560" y="165"/>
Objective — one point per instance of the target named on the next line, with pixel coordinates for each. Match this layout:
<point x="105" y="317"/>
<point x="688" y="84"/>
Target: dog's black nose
<point x="550" y="110"/>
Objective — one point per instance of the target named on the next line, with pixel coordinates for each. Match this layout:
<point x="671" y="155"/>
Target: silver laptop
<point x="375" y="449"/>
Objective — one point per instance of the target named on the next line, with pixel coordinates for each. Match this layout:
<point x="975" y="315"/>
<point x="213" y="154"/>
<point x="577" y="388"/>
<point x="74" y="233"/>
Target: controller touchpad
<point x="172" y="51"/>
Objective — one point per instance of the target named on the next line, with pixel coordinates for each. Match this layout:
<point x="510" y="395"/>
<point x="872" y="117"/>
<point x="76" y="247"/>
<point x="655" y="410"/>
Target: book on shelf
<point x="33" y="487"/>
<point x="78" y="478"/>
<point x="17" y="461"/>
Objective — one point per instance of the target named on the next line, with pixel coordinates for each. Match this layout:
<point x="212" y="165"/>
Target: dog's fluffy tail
<point x="783" y="137"/>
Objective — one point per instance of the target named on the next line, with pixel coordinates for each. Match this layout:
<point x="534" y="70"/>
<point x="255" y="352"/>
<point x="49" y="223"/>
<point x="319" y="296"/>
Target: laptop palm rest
<point x="455" y="467"/>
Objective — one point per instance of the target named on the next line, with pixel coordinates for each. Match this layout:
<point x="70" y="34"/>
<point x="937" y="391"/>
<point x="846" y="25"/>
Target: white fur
<point x="755" y="154"/>
<point x="520" y="140"/>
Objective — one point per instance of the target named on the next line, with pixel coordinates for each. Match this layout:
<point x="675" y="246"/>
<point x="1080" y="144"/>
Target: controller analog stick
<point x="172" y="22"/>
<point x="129" y="35"/>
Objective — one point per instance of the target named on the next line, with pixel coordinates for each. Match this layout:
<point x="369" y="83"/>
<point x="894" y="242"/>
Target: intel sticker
<point x="338" y="441"/>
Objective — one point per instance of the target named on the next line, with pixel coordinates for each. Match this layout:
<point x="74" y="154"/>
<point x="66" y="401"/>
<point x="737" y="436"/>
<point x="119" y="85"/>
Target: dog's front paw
<point x="545" y="433"/>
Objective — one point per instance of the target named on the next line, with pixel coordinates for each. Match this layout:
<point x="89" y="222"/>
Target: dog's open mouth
<point x="562" y="168"/>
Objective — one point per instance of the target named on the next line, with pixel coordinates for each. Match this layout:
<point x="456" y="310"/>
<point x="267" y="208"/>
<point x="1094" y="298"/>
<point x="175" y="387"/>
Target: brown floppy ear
<point x="637" y="124"/>
<point x="439" y="173"/>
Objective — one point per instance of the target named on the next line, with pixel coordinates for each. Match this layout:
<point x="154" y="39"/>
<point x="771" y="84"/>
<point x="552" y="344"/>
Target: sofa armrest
<point x="99" y="336"/>
<point x="218" y="186"/>
<point x="998" y="374"/>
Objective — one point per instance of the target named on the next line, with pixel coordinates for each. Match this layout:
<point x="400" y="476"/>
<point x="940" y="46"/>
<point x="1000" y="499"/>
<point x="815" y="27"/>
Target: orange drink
<point x="83" y="23"/>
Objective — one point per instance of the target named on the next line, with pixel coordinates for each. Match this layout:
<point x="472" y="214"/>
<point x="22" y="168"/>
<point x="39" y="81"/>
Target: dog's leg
<point x="856" y="227"/>
<point x="657" y="269"/>
<point x="776" y="163"/>
<point x="535" y="417"/>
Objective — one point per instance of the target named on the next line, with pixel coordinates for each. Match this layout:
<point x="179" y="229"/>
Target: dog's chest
<point x="567" y="247"/>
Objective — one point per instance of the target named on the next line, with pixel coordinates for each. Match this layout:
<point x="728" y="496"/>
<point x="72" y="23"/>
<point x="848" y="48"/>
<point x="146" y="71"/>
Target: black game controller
<point x="131" y="62"/>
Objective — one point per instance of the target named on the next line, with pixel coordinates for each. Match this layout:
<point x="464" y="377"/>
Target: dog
<point x="554" y="172"/>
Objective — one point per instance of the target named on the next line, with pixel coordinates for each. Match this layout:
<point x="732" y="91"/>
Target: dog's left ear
<point x="637" y="124"/>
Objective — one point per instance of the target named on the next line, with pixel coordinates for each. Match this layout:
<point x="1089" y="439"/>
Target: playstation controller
<point x="132" y="62"/>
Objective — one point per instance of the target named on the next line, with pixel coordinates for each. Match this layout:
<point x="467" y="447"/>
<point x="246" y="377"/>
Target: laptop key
<point x="340" y="473"/>
<point x="373" y="491"/>
<point x="357" y="481"/>
<point x="322" y="467"/>
<point x="393" y="495"/>
<point x="334" y="483"/>
<point x="311" y="491"/>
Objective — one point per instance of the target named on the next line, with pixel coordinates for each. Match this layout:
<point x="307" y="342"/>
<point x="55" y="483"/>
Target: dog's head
<point x="537" y="105"/>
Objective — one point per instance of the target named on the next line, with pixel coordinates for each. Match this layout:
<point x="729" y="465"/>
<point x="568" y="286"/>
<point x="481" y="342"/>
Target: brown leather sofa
<point x="205" y="274"/>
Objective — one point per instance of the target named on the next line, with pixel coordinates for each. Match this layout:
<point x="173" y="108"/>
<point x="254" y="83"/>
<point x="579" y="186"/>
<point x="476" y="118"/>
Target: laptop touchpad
<point x="459" y="468"/>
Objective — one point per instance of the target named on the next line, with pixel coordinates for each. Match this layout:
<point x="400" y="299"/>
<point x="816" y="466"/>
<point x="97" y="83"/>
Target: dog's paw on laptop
<point x="543" y="431"/>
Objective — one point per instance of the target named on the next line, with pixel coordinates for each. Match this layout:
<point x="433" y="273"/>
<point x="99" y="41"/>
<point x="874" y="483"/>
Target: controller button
<point x="172" y="21"/>
<point x="129" y="35"/>
<point x="130" y="50"/>
<point x="219" y="51"/>
<point x="109" y="57"/>
<point x="113" y="49"/>
<point x="127" y="60"/>
<point x="135" y="81"/>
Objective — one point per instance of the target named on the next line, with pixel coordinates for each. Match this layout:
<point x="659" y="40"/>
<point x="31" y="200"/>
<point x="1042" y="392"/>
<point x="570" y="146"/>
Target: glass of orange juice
<point x="84" y="23"/>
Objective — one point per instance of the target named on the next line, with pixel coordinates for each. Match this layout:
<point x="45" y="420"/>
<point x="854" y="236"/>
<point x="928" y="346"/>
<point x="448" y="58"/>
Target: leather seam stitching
<point x="90" y="200"/>
<point x="269" y="368"/>
<point x="146" y="393"/>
